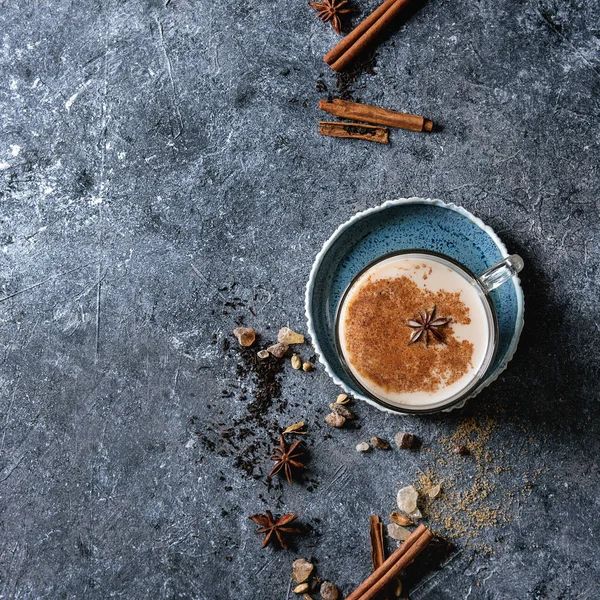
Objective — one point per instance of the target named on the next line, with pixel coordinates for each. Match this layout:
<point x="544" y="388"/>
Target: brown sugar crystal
<point x="378" y="337"/>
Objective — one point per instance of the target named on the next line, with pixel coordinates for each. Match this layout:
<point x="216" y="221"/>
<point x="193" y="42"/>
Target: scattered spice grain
<point x="301" y="570"/>
<point x="296" y="362"/>
<point x="379" y="443"/>
<point x="335" y="420"/>
<point x="329" y="591"/>
<point x="407" y="498"/>
<point x="479" y="493"/>
<point x="400" y="519"/>
<point x="295" y="428"/>
<point x="245" y="336"/>
<point x="278" y="350"/>
<point x="340" y="409"/>
<point x="289" y="336"/>
<point x="398" y="532"/>
<point x="404" y="441"/>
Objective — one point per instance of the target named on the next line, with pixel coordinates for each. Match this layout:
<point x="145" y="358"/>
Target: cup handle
<point x="501" y="272"/>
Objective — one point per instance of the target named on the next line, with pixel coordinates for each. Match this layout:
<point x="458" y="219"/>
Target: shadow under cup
<point x="483" y="284"/>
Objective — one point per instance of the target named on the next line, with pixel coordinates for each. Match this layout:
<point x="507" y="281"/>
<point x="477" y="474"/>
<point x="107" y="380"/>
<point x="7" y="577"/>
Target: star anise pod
<point x="428" y="324"/>
<point x="286" y="459"/>
<point x="275" y="528"/>
<point x="330" y="10"/>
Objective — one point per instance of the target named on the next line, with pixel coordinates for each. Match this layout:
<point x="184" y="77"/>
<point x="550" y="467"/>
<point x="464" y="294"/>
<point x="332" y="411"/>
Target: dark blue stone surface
<point x="161" y="182"/>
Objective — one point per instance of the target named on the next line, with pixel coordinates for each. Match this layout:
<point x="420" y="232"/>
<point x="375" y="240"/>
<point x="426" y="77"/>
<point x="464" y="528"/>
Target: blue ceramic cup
<point x="401" y="224"/>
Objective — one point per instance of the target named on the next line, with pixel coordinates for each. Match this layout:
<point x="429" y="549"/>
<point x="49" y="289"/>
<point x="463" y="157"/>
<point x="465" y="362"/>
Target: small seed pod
<point x="343" y="399"/>
<point x="245" y="336"/>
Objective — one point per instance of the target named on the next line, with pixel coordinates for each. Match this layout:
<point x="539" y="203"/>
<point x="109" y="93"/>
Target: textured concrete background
<point x="159" y="163"/>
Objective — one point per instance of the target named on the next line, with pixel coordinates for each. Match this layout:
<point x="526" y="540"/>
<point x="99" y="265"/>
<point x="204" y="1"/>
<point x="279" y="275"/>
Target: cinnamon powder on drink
<point x="378" y="337"/>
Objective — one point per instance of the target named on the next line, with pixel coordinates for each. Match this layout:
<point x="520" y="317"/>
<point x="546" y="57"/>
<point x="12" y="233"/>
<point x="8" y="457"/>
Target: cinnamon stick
<point x="357" y="131"/>
<point x="373" y="114"/>
<point x="391" y="568"/>
<point x="366" y="36"/>
<point x="377" y="548"/>
<point x="344" y="44"/>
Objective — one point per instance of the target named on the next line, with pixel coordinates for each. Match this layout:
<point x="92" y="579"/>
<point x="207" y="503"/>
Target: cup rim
<point x="461" y="396"/>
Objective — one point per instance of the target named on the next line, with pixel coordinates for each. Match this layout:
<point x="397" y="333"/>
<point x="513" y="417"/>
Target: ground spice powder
<point x="479" y="491"/>
<point x="378" y="337"/>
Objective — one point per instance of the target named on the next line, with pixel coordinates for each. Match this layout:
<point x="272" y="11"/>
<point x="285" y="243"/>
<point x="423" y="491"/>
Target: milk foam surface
<point x="428" y="274"/>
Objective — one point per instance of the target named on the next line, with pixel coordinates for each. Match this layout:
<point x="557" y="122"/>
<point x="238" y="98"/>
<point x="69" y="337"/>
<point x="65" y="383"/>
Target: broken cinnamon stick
<point x="355" y="131"/>
<point x="369" y="30"/>
<point x="391" y="568"/>
<point x="377" y="548"/>
<point x="373" y="114"/>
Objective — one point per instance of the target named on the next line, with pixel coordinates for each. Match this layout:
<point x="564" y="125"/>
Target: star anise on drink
<point x="330" y="10"/>
<point x="275" y="528"/>
<point x="426" y="325"/>
<point x="287" y="458"/>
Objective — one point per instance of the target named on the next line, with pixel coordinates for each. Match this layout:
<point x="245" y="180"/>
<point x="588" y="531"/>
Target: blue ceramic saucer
<point x="398" y="225"/>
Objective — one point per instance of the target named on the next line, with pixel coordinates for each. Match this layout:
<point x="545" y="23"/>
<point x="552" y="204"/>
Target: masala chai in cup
<point x="416" y="330"/>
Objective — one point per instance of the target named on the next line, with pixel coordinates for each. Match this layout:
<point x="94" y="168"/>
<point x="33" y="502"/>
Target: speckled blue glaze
<point x="407" y="224"/>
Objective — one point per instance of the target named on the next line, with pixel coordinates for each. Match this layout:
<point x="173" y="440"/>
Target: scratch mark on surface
<point x="176" y="379"/>
<point x="39" y="283"/>
<point x="10" y="469"/>
<point x="101" y="194"/>
<point x="486" y="578"/>
<point x="204" y="280"/>
<point x="289" y="589"/>
<point x="171" y="80"/>
<point x="338" y="475"/>
<point x="12" y="399"/>
<point x="261" y="568"/>
<point x="265" y="46"/>
<point x="147" y="381"/>
<point x="430" y="579"/>
<point x="40" y="230"/>
<point x="180" y="539"/>
<point x="98" y="297"/>
<point x="7" y="592"/>
<point x="71" y="100"/>
<point x="563" y="37"/>
<point x="585" y="249"/>
<point x="103" y="134"/>
<point x="336" y="486"/>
